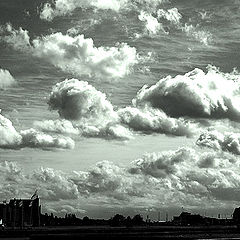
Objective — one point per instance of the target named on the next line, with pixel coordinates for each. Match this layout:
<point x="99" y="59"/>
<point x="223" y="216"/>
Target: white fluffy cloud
<point x="35" y="139"/>
<point x="80" y="56"/>
<point x="76" y="55"/>
<point x="179" y="177"/>
<point x="154" y="120"/>
<point x="76" y="100"/>
<point x="65" y="7"/>
<point x="156" y="22"/>
<point x="151" y="23"/>
<point x="171" y="15"/>
<point x="197" y="94"/>
<point x="19" y="39"/>
<point x="91" y="114"/>
<point x="88" y="109"/>
<point x="61" y="126"/>
<point x="55" y="185"/>
<point x="10" y="138"/>
<point x="6" y="79"/>
<point x="229" y="142"/>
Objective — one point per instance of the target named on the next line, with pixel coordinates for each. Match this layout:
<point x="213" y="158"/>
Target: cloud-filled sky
<point x="131" y="106"/>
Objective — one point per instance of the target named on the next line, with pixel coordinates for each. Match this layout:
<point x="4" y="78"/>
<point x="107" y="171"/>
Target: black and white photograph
<point x="119" y="119"/>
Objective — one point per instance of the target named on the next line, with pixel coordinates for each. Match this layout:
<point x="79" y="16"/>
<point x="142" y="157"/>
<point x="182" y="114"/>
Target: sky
<point x="120" y="106"/>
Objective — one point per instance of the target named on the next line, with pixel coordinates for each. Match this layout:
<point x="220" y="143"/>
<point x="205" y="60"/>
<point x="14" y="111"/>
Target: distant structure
<point x="236" y="215"/>
<point x="21" y="212"/>
<point x="188" y="219"/>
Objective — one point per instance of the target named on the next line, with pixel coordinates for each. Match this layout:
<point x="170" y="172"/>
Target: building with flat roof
<point x="21" y="212"/>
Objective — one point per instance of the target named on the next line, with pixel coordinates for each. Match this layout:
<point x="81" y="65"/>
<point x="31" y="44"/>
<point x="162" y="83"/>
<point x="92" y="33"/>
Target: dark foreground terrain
<point x="106" y="232"/>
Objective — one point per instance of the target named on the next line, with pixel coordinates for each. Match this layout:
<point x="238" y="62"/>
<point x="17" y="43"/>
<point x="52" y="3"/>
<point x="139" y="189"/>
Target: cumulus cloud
<point x="76" y="54"/>
<point x="61" y="126"/>
<point x="160" y="165"/>
<point x="35" y="139"/>
<point x="10" y="138"/>
<point x="171" y="15"/>
<point x="80" y="56"/>
<point x="55" y="185"/>
<point x="187" y="172"/>
<point x="65" y="7"/>
<point x="6" y="79"/>
<point x="184" y="176"/>
<point x="88" y="109"/>
<point x="91" y="114"/>
<point x="196" y="94"/>
<point x="154" y="120"/>
<point x="229" y="142"/>
<point x="151" y="23"/>
<point x="76" y="100"/>
<point x="19" y="39"/>
<point x="105" y="178"/>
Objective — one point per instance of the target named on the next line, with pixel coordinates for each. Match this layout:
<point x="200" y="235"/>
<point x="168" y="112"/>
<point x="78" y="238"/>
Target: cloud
<point x="10" y="138"/>
<point x="151" y="24"/>
<point x="91" y="114"/>
<point x="148" y="119"/>
<point x="76" y="55"/>
<point x="35" y="139"/>
<point x="76" y="100"/>
<point x="88" y="109"/>
<point x="171" y="15"/>
<point x="196" y="94"/>
<point x="55" y="185"/>
<point x="66" y="7"/>
<point x="229" y="142"/>
<point x="19" y="39"/>
<point x="202" y="36"/>
<point x="61" y="126"/>
<point x="160" y="165"/>
<point x="6" y="79"/>
<point x="184" y="176"/>
<point x="105" y="178"/>
<point x="174" y="17"/>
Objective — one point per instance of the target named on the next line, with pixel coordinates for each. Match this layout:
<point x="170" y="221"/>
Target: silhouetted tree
<point x="117" y="220"/>
<point x="128" y="221"/>
<point x="86" y="220"/>
<point x="137" y="220"/>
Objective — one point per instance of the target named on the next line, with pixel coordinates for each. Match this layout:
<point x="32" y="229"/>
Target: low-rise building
<point x="21" y="212"/>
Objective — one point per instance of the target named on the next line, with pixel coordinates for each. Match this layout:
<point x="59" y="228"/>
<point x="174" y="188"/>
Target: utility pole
<point x="166" y="217"/>
<point x="14" y="213"/>
<point x="22" y="217"/>
<point x="159" y="217"/>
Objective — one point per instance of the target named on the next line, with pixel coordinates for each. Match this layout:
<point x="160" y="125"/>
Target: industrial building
<point x="21" y="212"/>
